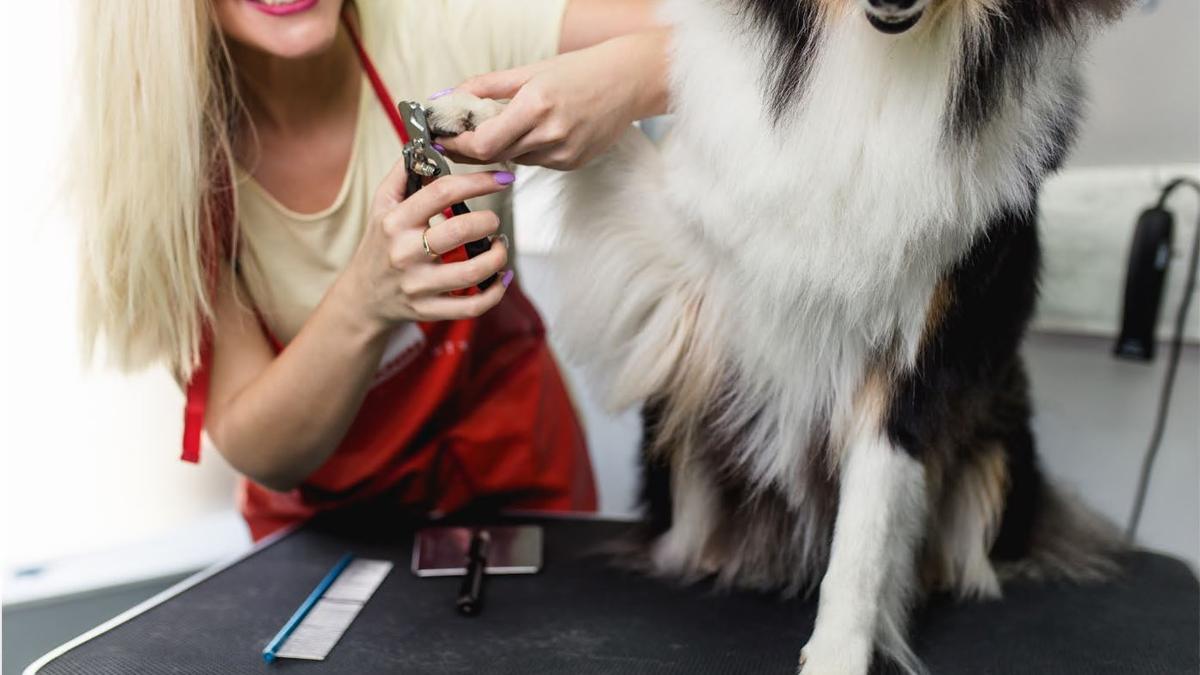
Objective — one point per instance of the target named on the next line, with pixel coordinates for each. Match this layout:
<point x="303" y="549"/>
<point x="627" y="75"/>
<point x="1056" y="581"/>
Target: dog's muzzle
<point x="894" y="16"/>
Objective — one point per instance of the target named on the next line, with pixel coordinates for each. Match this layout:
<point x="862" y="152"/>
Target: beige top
<point x="289" y="259"/>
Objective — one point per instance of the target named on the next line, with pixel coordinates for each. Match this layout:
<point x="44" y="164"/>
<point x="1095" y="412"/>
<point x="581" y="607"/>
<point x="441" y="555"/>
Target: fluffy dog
<point x="818" y="285"/>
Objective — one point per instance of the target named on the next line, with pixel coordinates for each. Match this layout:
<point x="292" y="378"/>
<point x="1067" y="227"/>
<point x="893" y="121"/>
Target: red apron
<point x="472" y="412"/>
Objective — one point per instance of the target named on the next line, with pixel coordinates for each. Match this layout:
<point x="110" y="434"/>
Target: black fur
<point x="968" y="389"/>
<point x="1003" y="59"/>
<point x="656" y="475"/>
<point x="795" y="31"/>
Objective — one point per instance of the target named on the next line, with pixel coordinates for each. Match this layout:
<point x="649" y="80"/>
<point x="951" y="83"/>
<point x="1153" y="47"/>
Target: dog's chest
<point x="849" y="206"/>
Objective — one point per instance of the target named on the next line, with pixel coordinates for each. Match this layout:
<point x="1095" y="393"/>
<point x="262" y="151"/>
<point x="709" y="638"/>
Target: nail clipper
<point x="424" y="163"/>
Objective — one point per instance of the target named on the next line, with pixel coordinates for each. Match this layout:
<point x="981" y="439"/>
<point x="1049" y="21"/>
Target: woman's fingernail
<point x="504" y="240"/>
<point x="439" y="147"/>
<point x="504" y="178"/>
<point x="507" y="278"/>
<point x="434" y="97"/>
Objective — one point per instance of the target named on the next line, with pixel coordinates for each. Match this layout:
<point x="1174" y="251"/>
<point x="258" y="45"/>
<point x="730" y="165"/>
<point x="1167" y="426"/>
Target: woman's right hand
<point x="391" y="278"/>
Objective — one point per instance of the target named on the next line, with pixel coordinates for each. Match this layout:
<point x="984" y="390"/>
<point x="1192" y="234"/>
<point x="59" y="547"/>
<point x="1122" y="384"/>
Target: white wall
<point x="1143" y="80"/>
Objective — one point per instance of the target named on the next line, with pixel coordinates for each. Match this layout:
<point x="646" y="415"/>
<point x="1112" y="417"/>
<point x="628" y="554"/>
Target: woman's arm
<point x="276" y="419"/>
<point x="590" y="22"/>
<point x="570" y="108"/>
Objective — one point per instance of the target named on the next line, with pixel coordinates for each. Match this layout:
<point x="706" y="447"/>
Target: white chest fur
<point x="852" y="198"/>
<point x="827" y="229"/>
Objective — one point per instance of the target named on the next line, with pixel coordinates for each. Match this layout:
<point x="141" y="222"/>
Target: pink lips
<point x="284" y="10"/>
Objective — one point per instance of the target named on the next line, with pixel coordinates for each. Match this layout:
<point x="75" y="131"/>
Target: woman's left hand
<point x="566" y="110"/>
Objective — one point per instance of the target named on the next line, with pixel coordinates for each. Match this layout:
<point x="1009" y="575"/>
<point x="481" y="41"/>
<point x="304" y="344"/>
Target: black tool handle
<point x="470" y="593"/>
<point x="413" y="184"/>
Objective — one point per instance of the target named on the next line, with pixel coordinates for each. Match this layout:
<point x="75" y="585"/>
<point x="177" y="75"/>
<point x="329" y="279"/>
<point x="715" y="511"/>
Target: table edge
<point x="157" y="599"/>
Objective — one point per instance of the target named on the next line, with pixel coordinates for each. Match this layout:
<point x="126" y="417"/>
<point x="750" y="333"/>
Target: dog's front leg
<point x="871" y="579"/>
<point x="683" y="550"/>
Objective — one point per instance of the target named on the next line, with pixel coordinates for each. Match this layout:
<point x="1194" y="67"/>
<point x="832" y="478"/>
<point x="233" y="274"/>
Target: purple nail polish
<point x="507" y="278"/>
<point x="504" y="178"/>
<point x="439" y="147"/>
<point x="434" y="97"/>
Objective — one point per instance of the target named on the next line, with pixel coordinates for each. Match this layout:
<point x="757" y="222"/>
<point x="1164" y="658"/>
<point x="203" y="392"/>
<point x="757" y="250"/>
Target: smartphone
<point x="442" y="551"/>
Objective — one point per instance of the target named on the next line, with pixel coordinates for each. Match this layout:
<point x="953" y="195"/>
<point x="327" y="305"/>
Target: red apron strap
<point x="197" y="402"/>
<point x="220" y="213"/>
<point x="389" y="106"/>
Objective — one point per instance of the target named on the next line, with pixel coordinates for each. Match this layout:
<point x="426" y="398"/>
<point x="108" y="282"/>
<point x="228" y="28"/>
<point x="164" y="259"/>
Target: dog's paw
<point x="838" y="656"/>
<point x="458" y="112"/>
<point x="674" y="555"/>
<point x="670" y="555"/>
<point x="678" y="556"/>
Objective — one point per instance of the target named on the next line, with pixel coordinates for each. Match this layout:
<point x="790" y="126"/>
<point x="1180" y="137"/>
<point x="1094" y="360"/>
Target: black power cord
<point x="1164" y="400"/>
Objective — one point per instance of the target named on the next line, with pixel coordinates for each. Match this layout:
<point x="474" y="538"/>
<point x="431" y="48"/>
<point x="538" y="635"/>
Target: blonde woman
<point x="246" y="225"/>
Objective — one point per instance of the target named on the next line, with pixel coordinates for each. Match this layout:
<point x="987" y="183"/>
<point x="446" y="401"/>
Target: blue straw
<point x="290" y="626"/>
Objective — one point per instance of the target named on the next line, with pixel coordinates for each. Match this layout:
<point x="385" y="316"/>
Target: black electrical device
<point x="1145" y="279"/>
<point x="1149" y="257"/>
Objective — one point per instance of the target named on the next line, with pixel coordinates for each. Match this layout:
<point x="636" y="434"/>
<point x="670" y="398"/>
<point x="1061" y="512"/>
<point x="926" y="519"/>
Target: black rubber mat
<point x="582" y="615"/>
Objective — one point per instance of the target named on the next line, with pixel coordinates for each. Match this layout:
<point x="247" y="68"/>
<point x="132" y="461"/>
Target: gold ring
<point x="425" y="244"/>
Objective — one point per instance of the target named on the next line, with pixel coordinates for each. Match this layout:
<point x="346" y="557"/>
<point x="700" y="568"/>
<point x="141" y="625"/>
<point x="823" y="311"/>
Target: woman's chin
<point x="297" y="46"/>
<point x="307" y="30"/>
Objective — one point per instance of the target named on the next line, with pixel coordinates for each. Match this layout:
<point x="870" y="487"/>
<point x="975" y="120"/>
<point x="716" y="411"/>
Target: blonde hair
<point x="153" y="149"/>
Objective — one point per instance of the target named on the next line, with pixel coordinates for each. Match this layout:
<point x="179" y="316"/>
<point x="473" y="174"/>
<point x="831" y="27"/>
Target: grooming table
<point x="583" y="615"/>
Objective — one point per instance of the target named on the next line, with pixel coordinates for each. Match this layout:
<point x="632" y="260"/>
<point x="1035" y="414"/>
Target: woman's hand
<point x="568" y="109"/>
<point x="391" y="278"/>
